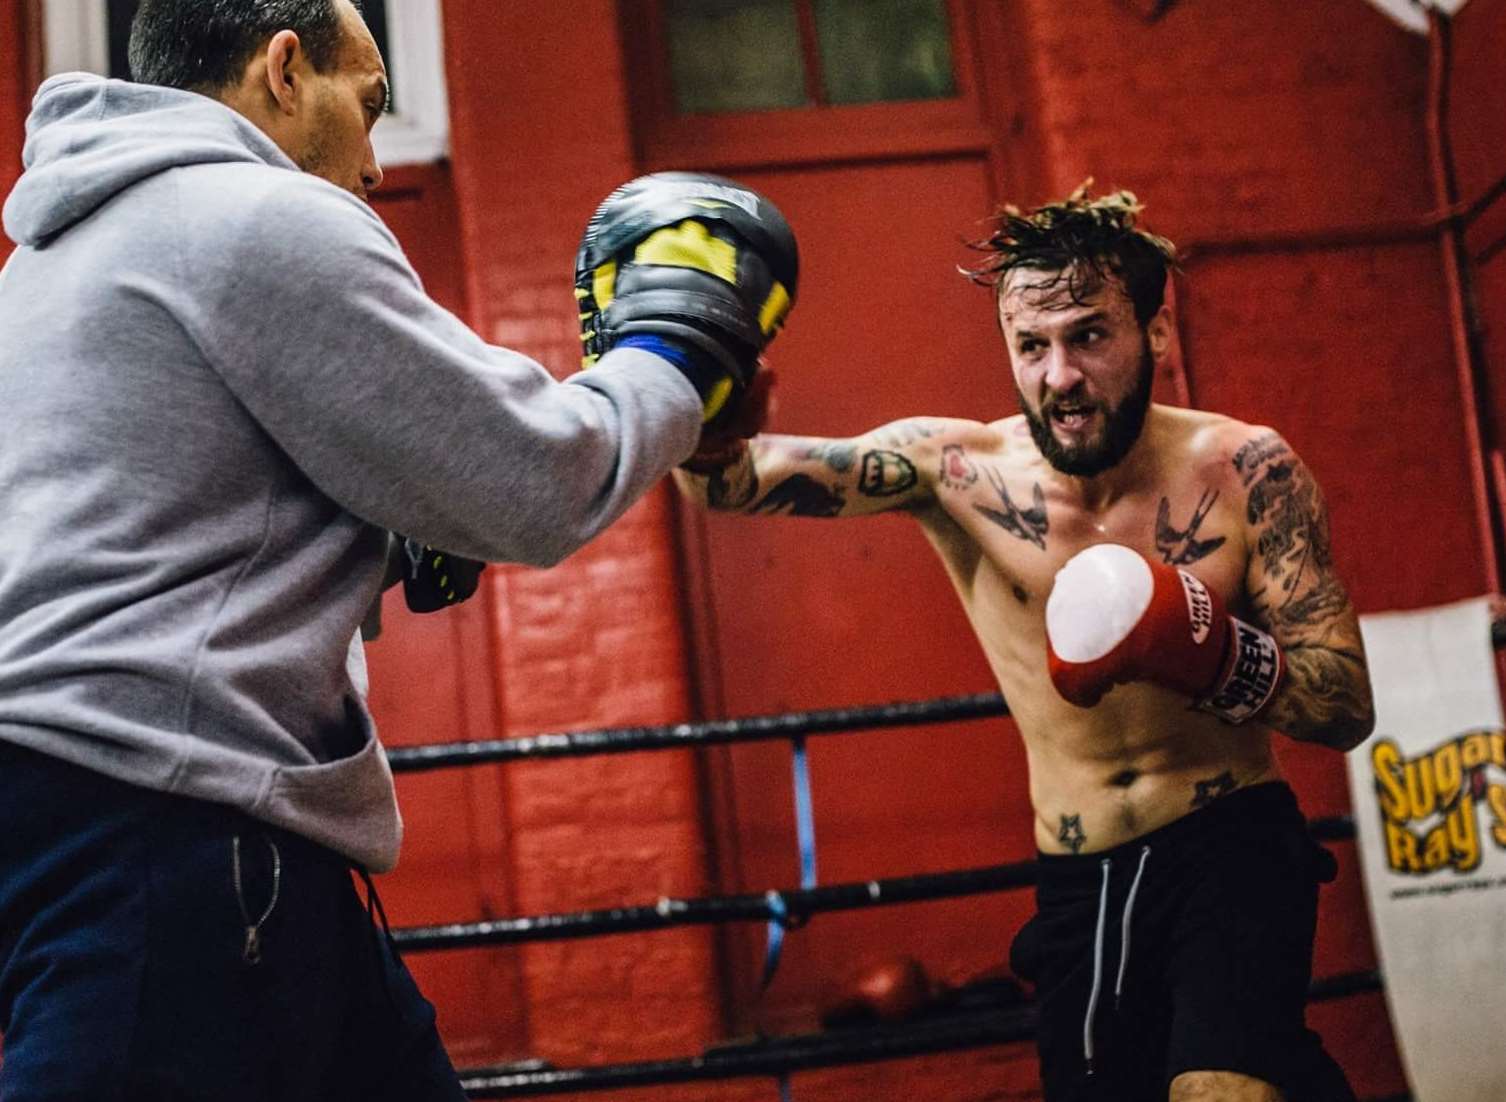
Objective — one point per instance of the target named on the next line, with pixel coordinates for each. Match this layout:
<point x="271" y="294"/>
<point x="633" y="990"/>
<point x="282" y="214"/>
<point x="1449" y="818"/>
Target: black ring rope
<point x="776" y="1056"/>
<point x="826" y="721"/>
<point x="799" y="905"/>
<point x="677" y="736"/>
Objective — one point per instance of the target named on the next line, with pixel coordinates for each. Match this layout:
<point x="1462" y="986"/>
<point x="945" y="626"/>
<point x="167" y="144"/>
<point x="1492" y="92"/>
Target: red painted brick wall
<point x="540" y="136"/>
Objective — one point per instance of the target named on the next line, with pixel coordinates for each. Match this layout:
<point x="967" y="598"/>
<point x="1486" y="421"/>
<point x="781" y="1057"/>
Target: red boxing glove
<point x="1115" y="616"/>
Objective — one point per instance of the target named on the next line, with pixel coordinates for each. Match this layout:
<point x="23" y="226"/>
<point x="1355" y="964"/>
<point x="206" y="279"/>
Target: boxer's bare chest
<point x="1004" y="524"/>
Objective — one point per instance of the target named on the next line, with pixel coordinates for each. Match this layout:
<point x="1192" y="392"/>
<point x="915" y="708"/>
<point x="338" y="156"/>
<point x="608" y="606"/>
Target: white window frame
<point x="1412" y="14"/>
<point x="415" y="131"/>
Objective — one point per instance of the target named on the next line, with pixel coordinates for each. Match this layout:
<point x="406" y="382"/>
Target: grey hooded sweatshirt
<point x="221" y="385"/>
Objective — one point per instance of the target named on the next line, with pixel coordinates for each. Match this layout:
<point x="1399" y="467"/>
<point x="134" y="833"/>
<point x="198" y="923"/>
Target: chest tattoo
<point x="1180" y="546"/>
<point x="1029" y="524"/>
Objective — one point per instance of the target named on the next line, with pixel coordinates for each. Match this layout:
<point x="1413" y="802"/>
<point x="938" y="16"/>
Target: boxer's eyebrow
<point x="1097" y="317"/>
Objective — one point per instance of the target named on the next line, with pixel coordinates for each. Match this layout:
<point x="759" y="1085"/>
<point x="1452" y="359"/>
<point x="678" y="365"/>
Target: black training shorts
<point x="1188" y="949"/>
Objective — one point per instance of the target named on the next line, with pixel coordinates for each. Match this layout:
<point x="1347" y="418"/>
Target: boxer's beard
<point x="1122" y="426"/>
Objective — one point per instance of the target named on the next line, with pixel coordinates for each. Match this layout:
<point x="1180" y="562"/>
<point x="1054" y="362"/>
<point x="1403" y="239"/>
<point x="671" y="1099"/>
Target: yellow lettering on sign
<point x="1401" y="849"/>
<point x="1496" y="794"/>
<point x="1385" y="760"/>
<point x="1463" y="835"/>
<point x="1475" y="750"/>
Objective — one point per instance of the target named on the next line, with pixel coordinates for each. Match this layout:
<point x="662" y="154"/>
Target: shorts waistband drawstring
<point x="1106" y="866"/>
<point x="1124" y="927"/>
<point x="1103" y="911"/>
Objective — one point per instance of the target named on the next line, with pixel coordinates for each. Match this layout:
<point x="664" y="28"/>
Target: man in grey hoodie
<point x="224" y="386"/>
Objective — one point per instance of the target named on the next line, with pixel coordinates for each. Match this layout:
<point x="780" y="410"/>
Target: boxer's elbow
<point x="1349" y="732"/>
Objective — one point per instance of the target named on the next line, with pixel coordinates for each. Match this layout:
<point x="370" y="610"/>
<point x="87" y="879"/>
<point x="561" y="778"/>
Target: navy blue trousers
<point x="124" y="971"/>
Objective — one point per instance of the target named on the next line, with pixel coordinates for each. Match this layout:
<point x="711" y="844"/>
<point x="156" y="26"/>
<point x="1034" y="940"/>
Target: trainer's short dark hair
<point x="205" y="45"/>
<point x="1078" y="242"/>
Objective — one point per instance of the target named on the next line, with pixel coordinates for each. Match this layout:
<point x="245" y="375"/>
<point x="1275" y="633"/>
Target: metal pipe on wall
<point x="1463" y="328"/>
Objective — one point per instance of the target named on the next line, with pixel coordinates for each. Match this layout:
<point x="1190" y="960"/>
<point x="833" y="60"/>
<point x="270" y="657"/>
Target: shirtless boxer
<point x="1172" y="946"/>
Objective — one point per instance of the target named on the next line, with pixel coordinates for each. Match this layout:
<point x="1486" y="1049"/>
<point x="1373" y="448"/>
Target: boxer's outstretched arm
<point x="893" y="467"/>
<point x="1296" y="596"/>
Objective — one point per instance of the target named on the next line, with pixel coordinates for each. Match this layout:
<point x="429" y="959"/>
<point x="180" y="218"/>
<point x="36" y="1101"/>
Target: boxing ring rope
<point x="678" y="736"/>
<point x="681" y="736"/>
<point x="780" y="1056"/>
<point x="772" y="1056"/>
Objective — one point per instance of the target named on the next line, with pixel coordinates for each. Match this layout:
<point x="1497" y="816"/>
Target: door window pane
<point x="121" y="12"/>
<point x="376" y="20"/>
<point x="735" y="55"/>
<point x="884" y="50"/>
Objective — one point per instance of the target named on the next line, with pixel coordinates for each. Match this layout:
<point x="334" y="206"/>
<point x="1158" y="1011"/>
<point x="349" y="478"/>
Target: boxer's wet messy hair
<point x="205" y="45"/>
<point x="1079" y="242"/>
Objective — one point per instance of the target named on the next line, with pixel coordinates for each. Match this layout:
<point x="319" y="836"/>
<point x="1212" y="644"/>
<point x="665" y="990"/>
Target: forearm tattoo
<point x="1071" y="834"/>
<point x="1029" y="525"/>
<point x="733" y="486"/>
<point x="1326" y="697"/>
<point x="800" y="495"/>
<point x="839" y="457"/>
<point x="885" y="473"/>
<point x="1180" y="546"/>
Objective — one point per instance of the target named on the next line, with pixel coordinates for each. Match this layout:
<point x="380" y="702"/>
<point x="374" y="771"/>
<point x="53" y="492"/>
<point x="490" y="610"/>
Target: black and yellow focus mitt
<point x="698" y="262"/>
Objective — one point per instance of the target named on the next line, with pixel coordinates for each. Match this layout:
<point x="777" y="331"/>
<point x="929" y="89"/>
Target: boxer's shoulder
<point x="1215" y="448"/>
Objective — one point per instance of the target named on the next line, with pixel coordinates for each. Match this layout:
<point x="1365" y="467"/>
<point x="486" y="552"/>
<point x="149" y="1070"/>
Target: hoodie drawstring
<point x="375" y="911"/>
<point x="1124" y="935"/>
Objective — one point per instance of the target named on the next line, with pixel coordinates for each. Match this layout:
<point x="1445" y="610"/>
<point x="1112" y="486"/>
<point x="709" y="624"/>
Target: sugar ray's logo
<point x="1430" y="805"/>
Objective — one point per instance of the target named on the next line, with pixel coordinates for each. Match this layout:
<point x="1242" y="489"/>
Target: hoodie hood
<point x="88" y="139"/>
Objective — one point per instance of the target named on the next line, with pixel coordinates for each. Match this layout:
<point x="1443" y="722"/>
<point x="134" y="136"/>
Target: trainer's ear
<point x="1159" y="331"/>
<point x="283" y="70"/>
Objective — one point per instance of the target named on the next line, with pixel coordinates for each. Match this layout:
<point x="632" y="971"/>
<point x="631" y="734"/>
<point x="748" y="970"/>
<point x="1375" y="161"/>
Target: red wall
<point x="15" y="95"/>
<point x="1477" y="126"/>
<point x="1281" y="144"/>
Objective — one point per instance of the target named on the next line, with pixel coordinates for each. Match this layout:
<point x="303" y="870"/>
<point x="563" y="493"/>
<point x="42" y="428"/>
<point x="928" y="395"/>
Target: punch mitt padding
<point x="695" y="259"/>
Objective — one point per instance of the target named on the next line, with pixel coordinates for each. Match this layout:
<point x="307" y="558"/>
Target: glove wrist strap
<point x="709" y="377"/>
<point x="1251" y="675"/>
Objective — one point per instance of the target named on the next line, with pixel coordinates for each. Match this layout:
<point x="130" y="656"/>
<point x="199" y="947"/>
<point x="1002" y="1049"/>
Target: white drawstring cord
<point x="1103" y="910"/>
<point x="1124" y="928"/>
